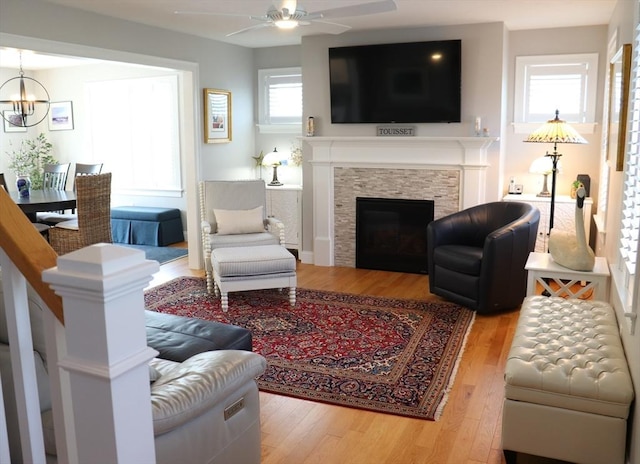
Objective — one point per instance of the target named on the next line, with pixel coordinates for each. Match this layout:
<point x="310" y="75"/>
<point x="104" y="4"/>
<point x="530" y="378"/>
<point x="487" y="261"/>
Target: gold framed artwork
<point x="217" y="116"/>
<point x="619" y="75"/>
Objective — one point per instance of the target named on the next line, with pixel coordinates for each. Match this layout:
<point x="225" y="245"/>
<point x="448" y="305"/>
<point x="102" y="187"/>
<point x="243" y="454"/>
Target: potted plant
<point x="28" y="162"/>
<point x="575" y="185"/>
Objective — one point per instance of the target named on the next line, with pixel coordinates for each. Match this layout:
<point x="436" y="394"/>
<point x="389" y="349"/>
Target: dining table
<point x="44" y="200"/>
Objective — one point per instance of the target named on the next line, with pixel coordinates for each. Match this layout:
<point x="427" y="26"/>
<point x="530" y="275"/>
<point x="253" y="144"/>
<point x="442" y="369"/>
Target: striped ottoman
<point x="237" y="269"/>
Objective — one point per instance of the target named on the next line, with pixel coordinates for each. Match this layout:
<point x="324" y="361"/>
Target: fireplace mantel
<point x="468" y="155"/>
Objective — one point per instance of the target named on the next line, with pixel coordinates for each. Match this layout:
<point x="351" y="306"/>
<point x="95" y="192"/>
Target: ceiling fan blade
<point x="213" y="13"/>
<point x="251" y="28"/>
<point x="328" y="27"/>
<point x="355" y="10"/>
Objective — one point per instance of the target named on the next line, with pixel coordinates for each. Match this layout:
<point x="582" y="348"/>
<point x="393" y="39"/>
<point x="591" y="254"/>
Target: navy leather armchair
<point x="476" y="257"/>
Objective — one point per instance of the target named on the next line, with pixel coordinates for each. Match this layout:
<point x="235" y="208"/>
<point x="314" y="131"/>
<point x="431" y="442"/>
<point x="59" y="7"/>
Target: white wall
<point x="622" y="24"/>
<point x="576" y="159"/>
<point x="269" y="58"/>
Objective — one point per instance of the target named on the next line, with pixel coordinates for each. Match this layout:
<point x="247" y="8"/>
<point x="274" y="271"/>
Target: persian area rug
<point x="387" y="355"/>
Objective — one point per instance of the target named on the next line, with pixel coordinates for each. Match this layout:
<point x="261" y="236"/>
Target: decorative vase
<point x="24" y="186"/>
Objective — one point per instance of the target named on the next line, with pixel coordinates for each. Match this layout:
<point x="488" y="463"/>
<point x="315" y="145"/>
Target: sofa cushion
<point x="144" y="213"/>
<point x="177" y="338"/>
<point x="252" y="261"/>
<point x="459" y="258"/>
<point x="245" y="221"/>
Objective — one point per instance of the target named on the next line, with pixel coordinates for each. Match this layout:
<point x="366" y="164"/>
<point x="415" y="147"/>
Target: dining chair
<point x="53" y="217"/>
<point x="93" y="224"/>
<point x="3" y="182"/>
<point x="54" y="176"/>
<point x="84" y="169"/>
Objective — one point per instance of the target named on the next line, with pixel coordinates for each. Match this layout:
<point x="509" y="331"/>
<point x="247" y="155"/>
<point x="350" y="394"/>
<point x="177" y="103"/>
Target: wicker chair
<point x="52" y="218"/>
<point x="94" y="216"/>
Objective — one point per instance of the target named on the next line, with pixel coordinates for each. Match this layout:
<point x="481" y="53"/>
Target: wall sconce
<point x="274" y="159"/>
<point x="21" y="98"/>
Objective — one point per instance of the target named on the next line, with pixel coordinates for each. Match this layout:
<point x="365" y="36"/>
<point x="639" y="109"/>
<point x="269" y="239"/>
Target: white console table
<point x="285" y="203"/>
<point x="543" y="270"/>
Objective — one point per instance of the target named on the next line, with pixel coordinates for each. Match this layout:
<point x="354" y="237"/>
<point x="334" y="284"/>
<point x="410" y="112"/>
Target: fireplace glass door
<point x="391" y="234"/>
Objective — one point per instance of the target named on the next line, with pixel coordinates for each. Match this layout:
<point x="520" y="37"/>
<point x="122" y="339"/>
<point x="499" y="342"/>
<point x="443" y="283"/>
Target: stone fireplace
<point x="451" y="171"/>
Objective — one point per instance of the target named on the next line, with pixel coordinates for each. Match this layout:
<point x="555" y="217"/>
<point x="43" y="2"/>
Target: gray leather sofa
<point x="189" y="420"/>
<point x="476" y="257"/>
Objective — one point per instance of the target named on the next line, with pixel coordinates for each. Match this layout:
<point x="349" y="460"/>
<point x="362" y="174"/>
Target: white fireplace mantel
<point x="465" y="154"/>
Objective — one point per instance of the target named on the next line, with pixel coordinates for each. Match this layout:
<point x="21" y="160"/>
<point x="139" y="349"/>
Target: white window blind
<point x="563" y="82"/>
<point x="630" y="219"/>
<point x="133" y="129"/>
<point x="280" y="97"/>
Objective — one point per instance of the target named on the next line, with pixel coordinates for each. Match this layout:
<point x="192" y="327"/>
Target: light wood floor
<point x="304" y="432"/>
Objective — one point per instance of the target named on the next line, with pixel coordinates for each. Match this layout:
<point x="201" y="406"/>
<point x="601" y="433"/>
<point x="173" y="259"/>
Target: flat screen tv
<point x="417" y="82"/>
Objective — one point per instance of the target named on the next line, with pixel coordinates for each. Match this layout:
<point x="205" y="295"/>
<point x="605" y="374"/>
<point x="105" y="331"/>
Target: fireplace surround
<point x="403" y="167"/>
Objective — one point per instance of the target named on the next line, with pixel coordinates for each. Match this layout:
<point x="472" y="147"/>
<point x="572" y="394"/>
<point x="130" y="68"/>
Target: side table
<point x="543" y="269"/>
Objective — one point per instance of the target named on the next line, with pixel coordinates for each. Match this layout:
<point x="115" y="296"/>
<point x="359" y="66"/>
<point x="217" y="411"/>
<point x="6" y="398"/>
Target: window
<point x="627" y="269"/>
<point x="567" y="83"/>
<point x="280" y="100"/>
<point x="133" y="129"/>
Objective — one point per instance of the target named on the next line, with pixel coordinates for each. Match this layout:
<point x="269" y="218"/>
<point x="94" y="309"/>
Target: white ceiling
<point x="516" y="14"/>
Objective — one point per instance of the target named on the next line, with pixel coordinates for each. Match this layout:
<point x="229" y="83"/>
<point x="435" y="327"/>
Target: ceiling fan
<point x="291" y="15"/>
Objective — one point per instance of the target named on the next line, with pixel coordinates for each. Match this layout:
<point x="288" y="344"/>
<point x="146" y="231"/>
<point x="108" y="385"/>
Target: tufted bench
<point x="567" y="383"/>
<point x="146" y="225"/>
<point x="238" y="269"/>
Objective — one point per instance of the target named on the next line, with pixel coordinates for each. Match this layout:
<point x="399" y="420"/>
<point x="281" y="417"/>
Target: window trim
<point x="522" y="62"/>
<point x="263" y="98"/>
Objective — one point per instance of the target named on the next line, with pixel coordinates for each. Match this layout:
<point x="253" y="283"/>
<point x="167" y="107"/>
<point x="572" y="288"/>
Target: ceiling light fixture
<point x="21" y="98"/>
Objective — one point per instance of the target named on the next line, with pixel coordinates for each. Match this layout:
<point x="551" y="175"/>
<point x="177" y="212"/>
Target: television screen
<point x="396" y="83"/>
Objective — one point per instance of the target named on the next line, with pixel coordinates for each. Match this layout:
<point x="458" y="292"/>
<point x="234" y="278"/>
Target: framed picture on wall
<point x="619" y="75"/>
<point x="61" y="116"/>
<point x="217" y="116"/>
<point x="12" y="122"/>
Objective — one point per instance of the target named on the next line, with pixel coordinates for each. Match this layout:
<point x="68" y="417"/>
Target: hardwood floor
<point x="304" y="432"/>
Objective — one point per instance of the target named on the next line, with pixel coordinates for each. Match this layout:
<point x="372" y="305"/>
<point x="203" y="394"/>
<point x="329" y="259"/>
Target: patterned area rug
<point x="388" y="355"/>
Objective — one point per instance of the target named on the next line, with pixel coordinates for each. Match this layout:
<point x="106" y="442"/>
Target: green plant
<point x="30" y="158"/>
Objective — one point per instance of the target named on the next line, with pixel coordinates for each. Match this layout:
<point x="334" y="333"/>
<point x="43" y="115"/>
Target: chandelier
<point x="24" y="102"/>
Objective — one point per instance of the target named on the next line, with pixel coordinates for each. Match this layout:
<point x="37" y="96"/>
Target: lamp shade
<point x="273" y="158"/>
<point x="555" y="131"/>
<point x="543" y="165"/>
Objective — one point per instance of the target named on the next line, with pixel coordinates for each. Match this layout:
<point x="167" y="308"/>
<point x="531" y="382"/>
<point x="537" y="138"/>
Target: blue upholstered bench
<point x="146" y="225"/>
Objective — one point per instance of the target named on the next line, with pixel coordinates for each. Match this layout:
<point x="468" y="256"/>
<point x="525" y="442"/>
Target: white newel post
<point x="107" y="355"/>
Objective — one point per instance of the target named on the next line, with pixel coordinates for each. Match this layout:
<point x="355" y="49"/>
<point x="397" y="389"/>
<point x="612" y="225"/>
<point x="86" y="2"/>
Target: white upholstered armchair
<point x="233" y="214"/>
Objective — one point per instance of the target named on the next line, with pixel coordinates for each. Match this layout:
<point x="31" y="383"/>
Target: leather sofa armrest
<point x="186" y="390"/>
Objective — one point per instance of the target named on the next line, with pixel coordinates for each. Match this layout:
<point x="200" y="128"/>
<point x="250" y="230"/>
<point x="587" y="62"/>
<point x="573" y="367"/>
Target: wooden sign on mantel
<point x="395" y="131"/>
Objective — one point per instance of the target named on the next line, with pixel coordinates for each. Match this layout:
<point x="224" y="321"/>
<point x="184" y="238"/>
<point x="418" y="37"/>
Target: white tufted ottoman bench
<point x="237" y="269"/>
<point x="568" y="387"/>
